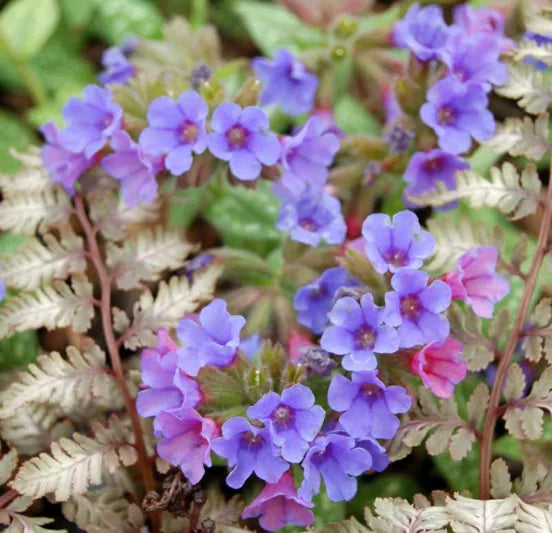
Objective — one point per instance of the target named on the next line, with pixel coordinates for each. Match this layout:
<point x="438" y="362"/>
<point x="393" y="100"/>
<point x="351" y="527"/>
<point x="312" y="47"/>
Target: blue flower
<point x="358" y="332"/>
<point x="242" y="137"/>
<point x="287" y="83"/>
<point x="248" y="449"/>
<point x="292" y="418"/>
<point x="251" y="345"/>
<point x="118" y="69"/>
<point x="176" y="129"/>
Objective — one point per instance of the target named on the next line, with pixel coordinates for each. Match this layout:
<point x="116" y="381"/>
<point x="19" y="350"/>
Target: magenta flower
<point x="242" y="137"/>
<point x="416" y="308"/>
<point x="92" y="121"/>
<point x="169" y="388"/>
<point x="64" y="166"/>
<point x="358" y="333"/>
<point x="248" y="449"/>
<point x="368" y="406"/>
<point x="214" y="341"/>
<point x="134" y="168"/>
<point x="440" y="365"/>
<point x="186" y="441"/>
<point x="176" y="129"/>
<point x="287" y="83"/>
<point x="292" y="418"/>
<point x="475" y="281"/>
<point x="458" y="111"/>
<point x="397" y="244"/>
<point x="278" y="505"/>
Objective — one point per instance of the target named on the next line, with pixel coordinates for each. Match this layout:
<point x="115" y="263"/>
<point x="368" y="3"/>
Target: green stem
<point x="198" y="16"/>
<point x="31" y="80"/>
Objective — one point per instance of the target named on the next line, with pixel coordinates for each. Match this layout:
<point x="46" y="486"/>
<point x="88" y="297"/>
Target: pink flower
<point x="295" y="342"/>
<point x="322" y="12"/>
<point x="476" y="282"/>
<point x="186" y="441"/>
<point x="278" y="505"/>
<point x="440" y="365"/>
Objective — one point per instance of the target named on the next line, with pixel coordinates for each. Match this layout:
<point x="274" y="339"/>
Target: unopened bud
<point x="200" y="74"/>
<point x="338" y="53"/>
<point x="346" y="28"/>
<point x="318" y="361"/>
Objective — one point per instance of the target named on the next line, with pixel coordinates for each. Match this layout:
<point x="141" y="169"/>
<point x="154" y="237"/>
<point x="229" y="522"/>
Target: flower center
<point x="282" y="416"/>
<point x="370" y="391"/>
<point x="237" y="136"/>
<point x="189" y="132"/>
<point x="251" y="440"/>
<point x="445" y="115"/>
<point x="410" y="307"/>
<point x="396" y="258"/>
<point x="366" y="337"/>
<point x="308" y="224"/>
<point x="107" y="121"/>
<point x="433" y="164"/>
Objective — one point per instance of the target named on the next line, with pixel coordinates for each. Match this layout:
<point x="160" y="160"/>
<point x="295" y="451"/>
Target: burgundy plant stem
<point x="7" y="497"/>
<point x="517" y="331"/>
<point x="112" y="347"/>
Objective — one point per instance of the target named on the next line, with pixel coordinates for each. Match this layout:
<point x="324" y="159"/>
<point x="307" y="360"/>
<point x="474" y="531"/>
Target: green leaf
<point x="18" y="351"/>
<point x="13" y="134"/>
<point x="51" y="111"/>
<point x="463" y="475"/>
<point x="185" y="206"/>
<point x="273" y="27"/>
<point x="78" y="13"/>
<point x="28" y="24"/>
<point x="353" y="119"/>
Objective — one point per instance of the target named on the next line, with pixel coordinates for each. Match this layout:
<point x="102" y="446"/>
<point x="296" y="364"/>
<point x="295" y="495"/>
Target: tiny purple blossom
<point x="416" y="308"/>
<point x="337" y="460"/>
<point x="248" y="449"/>
<point x="287" y="83"/>
<point x="391" y="245"/>
<point x="292" y="418"/>
<point x="118" y="69"/>
<point x="368" y="407"/>
<point x="358" y="333"/>
<point x="134" y="168"/>
<point x="422" y="31"/>
<point x="214" y="341"/>
<point x="92" y="121"/>
<point x="242" y="137"/>
<point x="278" y="505"/>
<point x="313" y="217"/>
<point x="458" y="111"/>
<point x="176" y="129"/>
<point x="313" y="301"/>
<point x="186" y="442"/>
<point x="64" y="167"/>
<point x="306" y="157"/>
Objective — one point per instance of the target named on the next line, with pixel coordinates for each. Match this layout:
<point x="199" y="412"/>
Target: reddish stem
<point x="517" y="331"/>
<point x="112" y="348"/>
<point x="7" y="497"/>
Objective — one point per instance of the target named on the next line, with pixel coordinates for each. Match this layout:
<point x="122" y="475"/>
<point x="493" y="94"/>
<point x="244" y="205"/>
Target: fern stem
<point x="7" y="497"/>
<point x="517" y="331"/>
<point x="112" y="348"/>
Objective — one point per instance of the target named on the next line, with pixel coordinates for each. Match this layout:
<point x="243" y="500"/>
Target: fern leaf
<point x="528" y="48"/>
<point x="348" y="526"/>
<point x="19" y="523"/>
<point x="78" y="380"/>
<point x="30" y="178"/>
<point x="73" y="464"/>
<point x="522" y="137"/>
<point x="173" y="299"/>
<point x="8" y="463"/>
<point x="144" y="256"/>
<point x="533" y="519"/>
<point x="35" y="262"/>
<point x="50" y="307"/>
<point x="537" y="17"/>
<point x="501" y="483"/>
<point x="482" y="516"/>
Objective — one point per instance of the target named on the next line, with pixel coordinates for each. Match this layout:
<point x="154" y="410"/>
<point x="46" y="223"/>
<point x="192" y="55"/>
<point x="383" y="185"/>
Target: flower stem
<point x="517" y="331"/>
<point x="112" y="347"/>
<point x="7" y="497"/>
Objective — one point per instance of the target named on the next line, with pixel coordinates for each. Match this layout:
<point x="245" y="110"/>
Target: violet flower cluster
<point x="456" y="107"/>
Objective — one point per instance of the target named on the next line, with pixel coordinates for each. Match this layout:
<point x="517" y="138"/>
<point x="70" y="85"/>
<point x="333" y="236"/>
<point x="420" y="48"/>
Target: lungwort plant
<point x="247" y="287"/>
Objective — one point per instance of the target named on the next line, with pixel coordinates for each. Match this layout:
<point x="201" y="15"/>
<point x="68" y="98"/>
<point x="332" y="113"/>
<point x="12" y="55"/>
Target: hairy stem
<point x="112" y="348"/>
<point x="7" y="497"/>
<point x="516" y="333"/>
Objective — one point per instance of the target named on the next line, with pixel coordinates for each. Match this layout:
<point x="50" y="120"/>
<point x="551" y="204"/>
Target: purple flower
<point x="457" y="111"/>
<point x="248" y="449"/>
<point x="134" y="168"/>
<point x="287" y="83"/>
<point x="242" y="137"/>
<point x="313" y="217"/>
<point x="306" y="157"/>
<point x="186" y="441"/>
<point x="422" y="31"/>
<point x="118" y="69"/>
<point x="313" y="301"/>
<point x="393" y="245"/>
<point x="278" y="505"/>
<point x="214" y="341"/>
<point x="425" y="169"/>
<point x="380" y="460"/>
<point x="251" y="345"/>
<point x="292" y="418"/>
<point x="169" y="388"/>
<point x="336" y="459"/>
<point x="64" y="167"/>
<point x="415" y="308"/>
<point x="358" y="332"/>
<point x="2" y="289"/>
<point x="92" y="121"/>
<point x="176" y="129"/>
<point x="368" y="406"/>
<point x="475" y="59"/>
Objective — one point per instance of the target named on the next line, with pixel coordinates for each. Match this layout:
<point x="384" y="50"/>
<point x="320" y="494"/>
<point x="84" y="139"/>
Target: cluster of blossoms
<point x="468" y="51"/>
